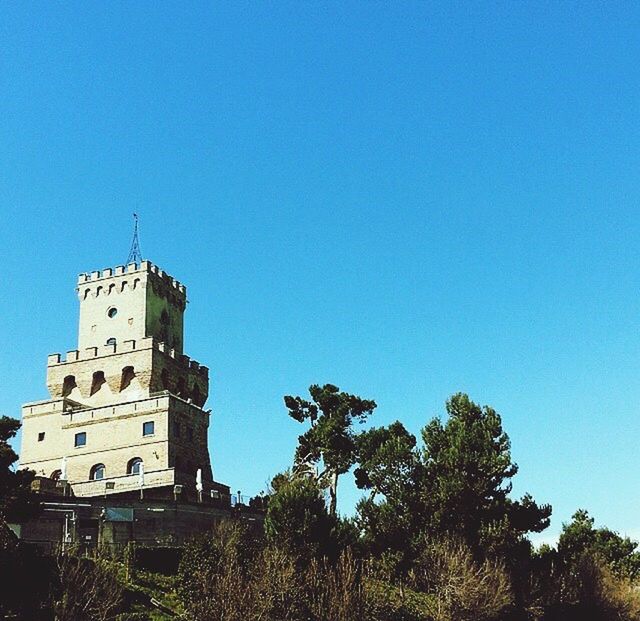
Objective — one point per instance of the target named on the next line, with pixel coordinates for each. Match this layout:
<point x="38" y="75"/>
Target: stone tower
<point x="127" y="400"/>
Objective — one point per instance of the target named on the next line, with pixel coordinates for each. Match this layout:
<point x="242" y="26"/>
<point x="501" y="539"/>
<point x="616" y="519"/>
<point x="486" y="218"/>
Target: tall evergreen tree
<point x="468" y="472"/>
<point x="456" y="485"/>
<point x="330" y="442"/>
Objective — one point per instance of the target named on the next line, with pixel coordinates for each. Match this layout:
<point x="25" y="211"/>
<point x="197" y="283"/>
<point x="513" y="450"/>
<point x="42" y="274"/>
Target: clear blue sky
<point x="404" y="199"/>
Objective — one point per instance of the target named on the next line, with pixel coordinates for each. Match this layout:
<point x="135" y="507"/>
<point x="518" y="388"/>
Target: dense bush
<point x="226" y="577"/>
<point x="86" y="589"/>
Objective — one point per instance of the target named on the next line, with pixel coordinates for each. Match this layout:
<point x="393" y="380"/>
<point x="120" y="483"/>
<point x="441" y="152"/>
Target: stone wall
<point x="131" y="369"/>
<point x="114" y="437"/>
<point x="131" y="302"/>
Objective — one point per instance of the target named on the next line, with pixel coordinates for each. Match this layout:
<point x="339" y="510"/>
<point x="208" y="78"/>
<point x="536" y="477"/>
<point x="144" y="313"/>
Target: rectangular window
<point x="148" y="428"/>
<point x="41" y="436"/>
<point x="81" y="438"/>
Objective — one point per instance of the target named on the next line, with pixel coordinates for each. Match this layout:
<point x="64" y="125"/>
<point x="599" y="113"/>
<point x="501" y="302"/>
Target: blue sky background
<point x="404" y="199"/>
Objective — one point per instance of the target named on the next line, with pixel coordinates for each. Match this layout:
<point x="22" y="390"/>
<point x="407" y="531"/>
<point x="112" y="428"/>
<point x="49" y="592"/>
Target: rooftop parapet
<point x="131" y="268"/>
<point x="184" y="360"/>
<point x="89" y="353"/>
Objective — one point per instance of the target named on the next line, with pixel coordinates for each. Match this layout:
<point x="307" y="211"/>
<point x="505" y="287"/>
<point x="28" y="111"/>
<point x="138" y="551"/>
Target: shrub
<point x="87" y="589"/>
<point x="463" y="589"/>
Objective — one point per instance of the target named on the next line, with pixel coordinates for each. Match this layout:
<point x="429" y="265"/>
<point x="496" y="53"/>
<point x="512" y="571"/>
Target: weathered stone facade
<point x="127" y="396"/>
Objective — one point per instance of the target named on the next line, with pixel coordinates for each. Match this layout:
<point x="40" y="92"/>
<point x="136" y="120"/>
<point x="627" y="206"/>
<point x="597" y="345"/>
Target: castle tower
<point x="127" y="399"/>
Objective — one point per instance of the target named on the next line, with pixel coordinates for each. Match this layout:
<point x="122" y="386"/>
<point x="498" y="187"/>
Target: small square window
<point x="41" y="436"/>
<point x="148" y="428"/>
<point x="81" y="438"/>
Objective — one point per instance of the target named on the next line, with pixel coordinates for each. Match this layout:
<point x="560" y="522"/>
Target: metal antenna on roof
<point x="135" y="255"/>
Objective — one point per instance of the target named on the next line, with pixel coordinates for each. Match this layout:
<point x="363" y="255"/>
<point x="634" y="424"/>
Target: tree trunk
<point x="333" y="493"/>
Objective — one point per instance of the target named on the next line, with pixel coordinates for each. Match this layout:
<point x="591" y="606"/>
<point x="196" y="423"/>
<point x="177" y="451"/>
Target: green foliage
<point x="590" y="590"/>
<point x="437" y="538"/>
<point x="86" y="589"/>
<point x="148" y="585"/>
<point x="387" y="602"/>
<point x="212" y="573"/>
<point x="618" y="553"/>
<point x="17" y="503"/>
<point x="457" y="484"/>
<point x="271" y="584"/>
<point x="387" y="461"/>
<point x="297" y="517"/>
<point x="468" y="472"/>
<point x="391" y="516"/>
<point x="330" y="438"/>
<point x="297" y="520"/>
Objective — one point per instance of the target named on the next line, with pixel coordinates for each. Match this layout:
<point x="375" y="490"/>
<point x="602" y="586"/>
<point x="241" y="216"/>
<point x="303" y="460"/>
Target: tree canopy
<point x="456" y="484"/>
<point x="16" y="499"/>
<point x="580" y="537"/>
<point x="330" y="441"/>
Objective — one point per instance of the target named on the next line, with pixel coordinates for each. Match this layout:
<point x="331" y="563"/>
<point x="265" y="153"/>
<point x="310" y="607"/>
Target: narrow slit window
<point x="164" y="378"/>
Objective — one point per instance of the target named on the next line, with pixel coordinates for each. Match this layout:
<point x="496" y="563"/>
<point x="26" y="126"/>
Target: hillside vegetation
<point x="437" y="536"/>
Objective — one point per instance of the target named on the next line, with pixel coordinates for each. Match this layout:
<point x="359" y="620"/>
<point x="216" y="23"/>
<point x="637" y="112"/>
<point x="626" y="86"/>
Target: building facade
<point x="126" y="413"/>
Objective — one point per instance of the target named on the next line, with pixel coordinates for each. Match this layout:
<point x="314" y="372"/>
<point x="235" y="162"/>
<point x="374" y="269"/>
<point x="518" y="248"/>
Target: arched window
<point x="98" y="380"/>
<point x="124" y="284"/>
<point x="136" y="282"/>
<point x="55" y="475"/>
<point x="127" y="376"/>
<point x="112" y="288"/>
<point x="98" y="291"/>
<point x="68" y="385"/>
<point x="133" y="467"/>
<point x="97" y="472"/>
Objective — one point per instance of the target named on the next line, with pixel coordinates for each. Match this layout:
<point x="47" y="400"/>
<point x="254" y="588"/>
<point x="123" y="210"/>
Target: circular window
<point x="112" y="312"/>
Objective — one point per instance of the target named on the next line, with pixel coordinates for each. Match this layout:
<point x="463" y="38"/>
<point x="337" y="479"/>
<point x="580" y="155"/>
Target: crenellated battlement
<point x="76" y="355"/>
<point x="145" y="267"/>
